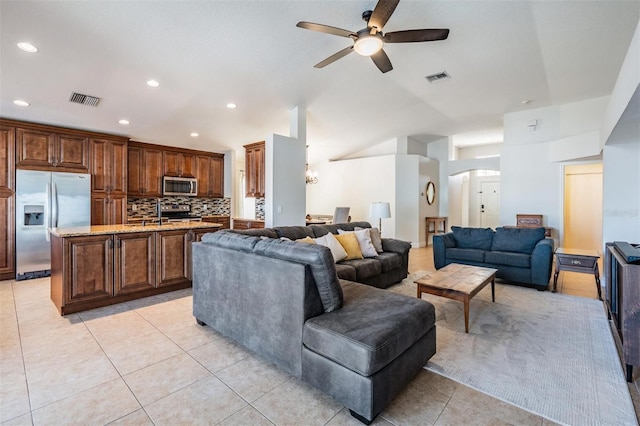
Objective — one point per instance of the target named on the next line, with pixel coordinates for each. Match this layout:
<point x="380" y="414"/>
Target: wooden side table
<point x="575" y="260"/>
<point x="436" y="225"/>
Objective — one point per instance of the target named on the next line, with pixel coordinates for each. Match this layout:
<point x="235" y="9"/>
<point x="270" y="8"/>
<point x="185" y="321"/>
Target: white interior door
<point x="490" y="204"/>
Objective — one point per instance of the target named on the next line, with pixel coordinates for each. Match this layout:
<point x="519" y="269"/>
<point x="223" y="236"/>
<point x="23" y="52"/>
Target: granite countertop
<point x="248" y="220"/>
<point x="215" y="216"/>
<point x="128" y="228"/>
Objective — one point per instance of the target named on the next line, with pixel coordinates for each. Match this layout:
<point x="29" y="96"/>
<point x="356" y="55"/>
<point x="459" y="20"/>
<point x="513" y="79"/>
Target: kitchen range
<point x="178" y="213"/>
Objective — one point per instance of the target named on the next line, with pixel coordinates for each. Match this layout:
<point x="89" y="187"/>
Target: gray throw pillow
<point x="376" y="239"/>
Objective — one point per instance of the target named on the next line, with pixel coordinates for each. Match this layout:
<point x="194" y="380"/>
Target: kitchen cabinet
<point x="225" y="221"/>
<point x="247" y="224"/>
<point x="144" y="170"/>
<point x="108" y="209"/>
<point x="7" y="203"/>
<point x="47" y="149"/>
<point x="135" y="266"/>
<point x="179" y="164"/>
<point x="104" y="265"/>
<point x="254" y="169"/>
<point x="108" y="166"/>
<point x="88" y="260"/>
<point x="172" y="256"/>
<point x="108" y="181"/>
<point x="211" y="176"/>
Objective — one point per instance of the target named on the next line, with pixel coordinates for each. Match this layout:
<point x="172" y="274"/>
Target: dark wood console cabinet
<point x="623" y="304"/>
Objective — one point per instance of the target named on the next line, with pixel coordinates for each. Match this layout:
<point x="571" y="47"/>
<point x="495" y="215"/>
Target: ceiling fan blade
<point x="381" y="14"/>
<point x="382" y="61"/>
<point x="409" y="36"/>
<point x="334" y="57"/>
<point x="325" y="29"/>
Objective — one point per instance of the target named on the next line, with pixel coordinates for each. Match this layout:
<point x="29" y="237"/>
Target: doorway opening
<point x="474" y="199"/>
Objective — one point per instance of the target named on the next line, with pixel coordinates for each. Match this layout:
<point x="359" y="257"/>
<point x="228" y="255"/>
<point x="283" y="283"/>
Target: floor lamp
<point x="380" y="210"/>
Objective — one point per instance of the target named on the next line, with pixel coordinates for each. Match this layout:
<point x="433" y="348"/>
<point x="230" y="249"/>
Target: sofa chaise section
<point x="284" y="301"/>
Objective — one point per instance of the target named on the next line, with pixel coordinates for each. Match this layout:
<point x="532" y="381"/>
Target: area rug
<point x="548" y="353"/>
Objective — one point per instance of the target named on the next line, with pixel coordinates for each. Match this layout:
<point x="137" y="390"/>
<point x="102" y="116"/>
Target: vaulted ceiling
<point x="206" y="54"/>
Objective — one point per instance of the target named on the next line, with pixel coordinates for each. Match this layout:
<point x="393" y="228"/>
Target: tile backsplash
<point x="260" y="208"/>
<point x="199" y="206"/>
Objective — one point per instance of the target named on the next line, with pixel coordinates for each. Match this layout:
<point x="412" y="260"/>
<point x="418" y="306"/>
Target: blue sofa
<point x="521" y="255"/>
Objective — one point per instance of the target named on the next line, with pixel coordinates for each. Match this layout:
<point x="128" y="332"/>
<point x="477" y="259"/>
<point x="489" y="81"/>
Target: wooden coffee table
<point x="458" y="282"/>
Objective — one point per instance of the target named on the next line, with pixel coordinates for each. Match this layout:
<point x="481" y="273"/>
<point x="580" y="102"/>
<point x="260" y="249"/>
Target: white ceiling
<point x="208" y="53"/>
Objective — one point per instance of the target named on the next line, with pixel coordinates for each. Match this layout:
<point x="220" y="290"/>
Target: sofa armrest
<point x="395" y="246"/>
<point x="441" y="242"/>
<point x="541" y="261"/>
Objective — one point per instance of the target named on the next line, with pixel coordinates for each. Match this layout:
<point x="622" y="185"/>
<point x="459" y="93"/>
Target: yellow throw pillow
<point x="306" y="240"/>
<point x="350" y="244"/>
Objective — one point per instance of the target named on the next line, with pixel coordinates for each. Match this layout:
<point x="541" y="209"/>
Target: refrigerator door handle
<point x="54" y="207"/>
<point x="48" y="212"/>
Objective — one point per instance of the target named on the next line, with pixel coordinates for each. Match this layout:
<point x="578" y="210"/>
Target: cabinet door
<point x="88" y="267"/>
<point x="118" y="168"/>
<point x="217" y="177"/>
<point x="7" y="233"/>
<point x="99" y="209"/>
<point x="204" y="175"/>
<point x="188" y="165"/>
<point x="117" y="209"/>
<point x="134" y="262"/>
<point x="100" y="163"/>
<point x="171" y="164"/>
<point x="135" y="169"/>
<point x="7" y="159"/>
<point x="7" y="203"/>
<point x="35" y="149"/>
<point x="152" y="169"/>
<point x="249" y="175"/>
<point x="172" y="260"/>
<point x="72" y="153"/>
<point x="259" y="171"/>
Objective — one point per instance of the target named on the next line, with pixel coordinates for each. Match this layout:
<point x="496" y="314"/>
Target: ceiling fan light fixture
<point x="367" y="45"/>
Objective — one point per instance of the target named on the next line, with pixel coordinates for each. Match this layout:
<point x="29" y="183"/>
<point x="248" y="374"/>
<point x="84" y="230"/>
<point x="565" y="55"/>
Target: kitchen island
<point x="94" y="266"/>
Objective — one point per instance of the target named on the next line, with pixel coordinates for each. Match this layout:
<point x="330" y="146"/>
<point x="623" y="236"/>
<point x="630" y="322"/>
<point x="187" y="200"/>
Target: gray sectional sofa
<point x="521" y="255"/>
<point x="389" y="267"/>
<point x="284" y="301"/>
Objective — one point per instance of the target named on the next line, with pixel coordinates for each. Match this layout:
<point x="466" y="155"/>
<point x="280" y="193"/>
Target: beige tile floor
<point x="148" y="362"/>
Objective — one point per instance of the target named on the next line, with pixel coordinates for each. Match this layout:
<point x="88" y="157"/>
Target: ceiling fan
<point x="369" y="41"/>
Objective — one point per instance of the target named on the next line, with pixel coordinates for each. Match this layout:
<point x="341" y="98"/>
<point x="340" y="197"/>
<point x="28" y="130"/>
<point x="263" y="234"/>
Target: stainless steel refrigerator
<point x="46" y="200"/>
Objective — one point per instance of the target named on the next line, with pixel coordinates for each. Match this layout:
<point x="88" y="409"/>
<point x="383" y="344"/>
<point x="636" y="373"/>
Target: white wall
<point x="285" y="194"/>
<point x="356" y="184"/>
<point x="474" y="151"/>
<point x="407" y="184"/>
<point x="621" y="156"/>
<point x="429" y="170"/>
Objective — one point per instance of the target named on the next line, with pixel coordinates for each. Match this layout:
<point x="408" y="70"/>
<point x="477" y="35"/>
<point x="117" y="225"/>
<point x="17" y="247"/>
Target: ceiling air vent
<point x="79" y="98"/>
<point x="438" y="77"/>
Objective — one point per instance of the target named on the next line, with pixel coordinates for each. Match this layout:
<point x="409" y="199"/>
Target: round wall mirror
<point x="431" y="193"/>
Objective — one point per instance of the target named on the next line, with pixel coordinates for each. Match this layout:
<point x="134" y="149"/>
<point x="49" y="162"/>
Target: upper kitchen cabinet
<point x="211" y="176"/>
<point x="109" y="166"/>
<point x="254" y="169"/>
<point x="51" y="149"/>
<point x="7" y="159"/>
<point x="179" y="164"/>
<point x="144" y="165"/>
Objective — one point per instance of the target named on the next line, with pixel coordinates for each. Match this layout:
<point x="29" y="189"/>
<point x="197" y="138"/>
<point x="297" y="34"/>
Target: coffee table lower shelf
<point x="458" y="282"/>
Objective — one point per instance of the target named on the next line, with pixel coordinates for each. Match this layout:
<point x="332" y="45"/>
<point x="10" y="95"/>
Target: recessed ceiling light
<point x="27" y="47"/>
<point x="153" y="83"/>
<point x="21" y="103"/>
<point x="231" y="105"/>
<point x="194" y="135"/>
<point x="123" y="121"/>
<point x="526" y="101"/>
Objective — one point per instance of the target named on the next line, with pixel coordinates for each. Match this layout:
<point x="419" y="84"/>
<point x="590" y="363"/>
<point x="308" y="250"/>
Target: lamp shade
<point x="380" y="210"/>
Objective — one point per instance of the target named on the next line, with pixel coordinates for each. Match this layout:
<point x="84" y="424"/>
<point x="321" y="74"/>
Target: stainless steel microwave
<point x="179" y="186"/>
